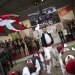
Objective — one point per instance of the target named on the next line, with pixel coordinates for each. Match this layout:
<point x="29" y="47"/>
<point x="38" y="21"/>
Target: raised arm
<point x="26" y="71"/>
<point x="41" y="57"/>
<point x="52" y="30"/>
<point x="37" y="65"/>
<point x="38" y="30"/>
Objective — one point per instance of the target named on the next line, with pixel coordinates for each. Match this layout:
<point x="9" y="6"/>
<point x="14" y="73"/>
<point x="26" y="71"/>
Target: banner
<point x="65" y="10"/>
<point x="66" y="15"/>
<point x="27" y="32"/>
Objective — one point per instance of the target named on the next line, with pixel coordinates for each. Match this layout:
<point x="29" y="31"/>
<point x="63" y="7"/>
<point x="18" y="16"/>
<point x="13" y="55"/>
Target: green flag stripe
<point x="16" y="26"/>
<point x="16" y="15"/>
<point x="6" y="29"/>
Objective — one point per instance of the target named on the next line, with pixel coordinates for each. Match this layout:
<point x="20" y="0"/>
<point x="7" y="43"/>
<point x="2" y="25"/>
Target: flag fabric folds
<point x="10" y="23"/>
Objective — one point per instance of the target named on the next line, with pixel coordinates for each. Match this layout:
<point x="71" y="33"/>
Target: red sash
<point x="48" y="45"/>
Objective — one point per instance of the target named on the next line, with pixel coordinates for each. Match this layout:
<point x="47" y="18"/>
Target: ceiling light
<point x="42" y="0"/>
<point x="35" y="3"/>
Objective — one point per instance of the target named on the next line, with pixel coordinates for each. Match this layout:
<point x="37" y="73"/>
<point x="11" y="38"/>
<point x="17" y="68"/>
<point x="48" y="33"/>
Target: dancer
<point x="68" y="63"/>
<point x="23" y="69"/>
<point x="62" y="49"/>
<point x="47" y="41"/>
<point x="33" y="61"/>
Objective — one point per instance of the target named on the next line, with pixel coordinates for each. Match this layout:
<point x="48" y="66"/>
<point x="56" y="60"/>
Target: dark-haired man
<point x="47" y="41"/>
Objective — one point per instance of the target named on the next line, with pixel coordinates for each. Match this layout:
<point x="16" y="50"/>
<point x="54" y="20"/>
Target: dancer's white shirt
<point x="26" y="71"/>
<point x="52" y="31"/>
<point x="41" y="57"/>
<point x="37" y="65"/>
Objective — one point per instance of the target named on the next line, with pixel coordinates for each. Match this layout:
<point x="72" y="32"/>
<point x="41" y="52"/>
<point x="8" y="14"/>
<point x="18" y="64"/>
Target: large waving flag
<point x="10" y="23"/>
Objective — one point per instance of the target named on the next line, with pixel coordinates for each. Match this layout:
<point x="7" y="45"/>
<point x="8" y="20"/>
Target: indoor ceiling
<point x="20" y="6"/>
<point x="16" y="6"/>
<point x="12" y="6"/>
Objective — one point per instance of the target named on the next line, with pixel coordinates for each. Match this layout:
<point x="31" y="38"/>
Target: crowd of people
<point x="46" y="15"/>
<point x="71" y="29"/>
<point x="18" y="48"/>
<point x="20" y="45"/>
<point x="69" y="35"/>
<point x="42" y="57"/>
<point x="46" y="56"/>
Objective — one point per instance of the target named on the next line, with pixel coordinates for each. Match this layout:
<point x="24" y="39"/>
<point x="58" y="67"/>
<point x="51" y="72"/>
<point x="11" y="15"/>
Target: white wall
<point x="67" y="16"/>
<point x="3" y="38"/>
<point x="27" y="32"/>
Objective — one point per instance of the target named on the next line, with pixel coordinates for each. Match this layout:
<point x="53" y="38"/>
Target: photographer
<point x="8" y="54"/>
<point x="2" y="61"/>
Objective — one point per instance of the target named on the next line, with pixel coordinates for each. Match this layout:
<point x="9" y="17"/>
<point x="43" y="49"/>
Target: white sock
<point x="43" y="65"/>
<point x="49" y="67"/>
<point x="54" y="62"/>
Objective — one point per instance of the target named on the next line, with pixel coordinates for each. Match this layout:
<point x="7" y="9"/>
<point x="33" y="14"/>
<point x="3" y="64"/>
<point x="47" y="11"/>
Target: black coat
<point x="44" y="44"/>
<point x="15" y="46"/>
<point x="23" y="45"/>
<point x="61" y="34"/>
<point x="8" y="54"/>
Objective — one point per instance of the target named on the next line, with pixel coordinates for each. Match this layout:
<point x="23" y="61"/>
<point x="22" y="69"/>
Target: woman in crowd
<point x="19" y="47"/>
<point x="34" y="46"/>
<point x="29" y="45"/>
<point x="15" y="47"/>
<point x="23" y="46"/>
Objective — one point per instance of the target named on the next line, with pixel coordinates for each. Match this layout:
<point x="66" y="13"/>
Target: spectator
<point x="15" y="47"/>
<point x="37" y="43"/>
<point x="61" y="36"/>
<point x="29" y="45"/>
<point x="19" y="47"/>
<point x="34" y="46"/>
<point x="69" y="32"/>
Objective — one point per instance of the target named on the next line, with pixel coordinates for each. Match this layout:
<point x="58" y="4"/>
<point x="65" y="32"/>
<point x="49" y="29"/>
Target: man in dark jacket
<point x="37" y="43"/>
<point x="47" y="41"/>
<point x="61" y="36"/>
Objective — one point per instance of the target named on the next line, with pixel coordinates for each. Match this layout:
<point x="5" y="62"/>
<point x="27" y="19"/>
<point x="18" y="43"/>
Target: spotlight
<point x="35" y="3"/>
<point x="42" y="0"/>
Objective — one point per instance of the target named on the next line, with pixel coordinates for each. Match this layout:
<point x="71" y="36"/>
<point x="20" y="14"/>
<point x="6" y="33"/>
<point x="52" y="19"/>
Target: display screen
<point x="44" y="16"/>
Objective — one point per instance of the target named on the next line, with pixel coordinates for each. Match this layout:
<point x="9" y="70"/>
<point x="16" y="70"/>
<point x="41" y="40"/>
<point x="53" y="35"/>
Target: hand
<point x="52" y="46"/>
<point x="37" y="27"/>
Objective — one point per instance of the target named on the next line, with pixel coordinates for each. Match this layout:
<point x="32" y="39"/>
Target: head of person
<point x="14" y="73"/>
<point x="70" y="64"/>
<point x="15" y="42"/>
<point x="44" y="29"/>
<point x="5" y="40"/>
<point x="9" y="40"/>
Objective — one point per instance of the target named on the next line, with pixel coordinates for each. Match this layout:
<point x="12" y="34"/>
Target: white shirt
<point x="52" y="31"/>
<point x="37" y="65"/>
<point x="61" y="64"/>
<point x="47" y="38"/>
<point x="41" y="57"/>
<point x="34" y="73"/>
<point x="26" y="71"/>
